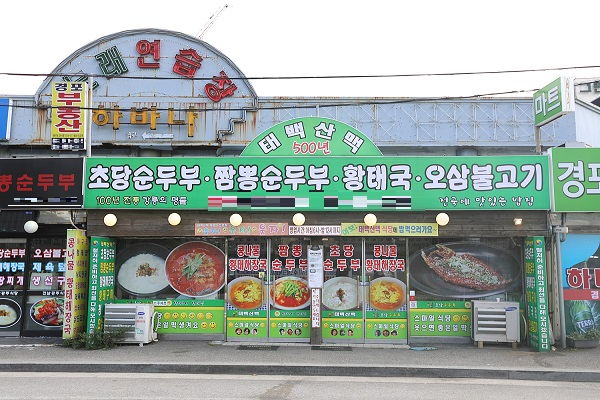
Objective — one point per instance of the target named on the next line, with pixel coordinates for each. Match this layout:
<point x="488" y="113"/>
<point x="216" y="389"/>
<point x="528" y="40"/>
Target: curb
<point x="312" y="370"/>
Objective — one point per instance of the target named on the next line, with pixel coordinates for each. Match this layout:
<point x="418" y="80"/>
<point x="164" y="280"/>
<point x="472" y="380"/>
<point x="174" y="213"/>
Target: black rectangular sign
<point x="34" y="183"/>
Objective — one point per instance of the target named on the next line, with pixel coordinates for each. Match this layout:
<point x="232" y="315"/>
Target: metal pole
<point x="538" y="140"/>
<point x="561" y="295"/>
<point x="89" y="114"/>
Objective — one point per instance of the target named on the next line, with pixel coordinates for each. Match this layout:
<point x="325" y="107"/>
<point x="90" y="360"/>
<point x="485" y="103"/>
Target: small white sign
<point x="315" y="308"/>
<point x="315" y="266"/>
<point x="311" y="230"/>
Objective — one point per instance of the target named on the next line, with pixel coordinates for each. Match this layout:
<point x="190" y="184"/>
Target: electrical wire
<point x="362" y="101"/>
<point x="385" y="76"/>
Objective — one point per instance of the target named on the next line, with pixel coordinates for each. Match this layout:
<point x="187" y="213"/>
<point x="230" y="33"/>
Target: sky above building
<point x="431" y="48"/>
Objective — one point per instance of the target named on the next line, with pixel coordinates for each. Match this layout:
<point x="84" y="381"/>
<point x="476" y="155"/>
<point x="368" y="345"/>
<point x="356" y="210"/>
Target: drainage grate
<point x="257" y="347"/>
<point x="332" y="348"/>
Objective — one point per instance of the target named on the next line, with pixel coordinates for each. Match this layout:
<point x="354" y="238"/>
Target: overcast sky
<point x="330" y="37"/>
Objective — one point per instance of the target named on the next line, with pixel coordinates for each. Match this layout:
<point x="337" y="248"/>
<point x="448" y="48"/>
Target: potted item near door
<point x="586" y="340"/>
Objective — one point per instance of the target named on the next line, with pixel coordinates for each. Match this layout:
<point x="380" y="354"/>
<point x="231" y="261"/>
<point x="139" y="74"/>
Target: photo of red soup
<point x="290" y="293"/>
<point x="196" y="269"/>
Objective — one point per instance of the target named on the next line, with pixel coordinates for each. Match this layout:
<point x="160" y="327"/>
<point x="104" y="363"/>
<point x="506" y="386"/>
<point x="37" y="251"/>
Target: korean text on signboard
<point x="41" y="183"/>
<point x="553" y="100"/>
<point x="68" y="115"/>
<point x="319" y="183"/>
<point x="575" y="179"/>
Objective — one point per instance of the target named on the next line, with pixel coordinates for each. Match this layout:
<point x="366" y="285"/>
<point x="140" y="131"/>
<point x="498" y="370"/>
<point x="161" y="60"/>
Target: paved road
<point x="493" y="361"/>
<point x="127" y="386"/>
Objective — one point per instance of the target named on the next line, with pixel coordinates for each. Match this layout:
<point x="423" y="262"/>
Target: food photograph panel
<point x="465" y="269"/>
<point x="170" y="268"/>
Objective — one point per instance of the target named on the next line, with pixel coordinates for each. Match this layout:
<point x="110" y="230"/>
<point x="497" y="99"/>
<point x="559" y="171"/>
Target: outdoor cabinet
<point x="496" y="321"/>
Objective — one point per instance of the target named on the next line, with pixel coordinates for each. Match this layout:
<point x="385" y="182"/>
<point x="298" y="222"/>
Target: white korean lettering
<point x="400" y="176"/>
<point x="295" y="129"/>
<point x="190" y="176"/>
<point x="594" y="177"/>
<point x="508" y="175"/>
<point x="377" y="177"/>
<point x="120" y="176"/>
<point x="271" y="178"/>
<point x="354" y="141"/>
<point x="269" y="143"/>
<point x="534" y="173"/>
<point x="575" y="172"/>
<point x="99" y="177"/>
<point x="143" y="178"/>
<point x="247" y="177"/>
<point x="318" y="176"/>
<point x="224" y="177"/>
<point x="166" y="175"/>
<point x="457" y="178"/>
<point x="435" y="173"/>
<point x="353" y="177"/>
<point x="482" y="177"/>
<point x="324" y="131"/>
<point x="294" y="176"/>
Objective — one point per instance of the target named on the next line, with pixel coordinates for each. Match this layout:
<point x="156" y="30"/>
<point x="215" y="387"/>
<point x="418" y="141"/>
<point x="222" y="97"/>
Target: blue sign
<point x="5" y="109"/>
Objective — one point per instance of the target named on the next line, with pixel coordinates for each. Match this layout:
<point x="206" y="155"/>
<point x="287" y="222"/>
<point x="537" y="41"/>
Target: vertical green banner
<point x="102" y="278"/>
<point x="536" y="292"/>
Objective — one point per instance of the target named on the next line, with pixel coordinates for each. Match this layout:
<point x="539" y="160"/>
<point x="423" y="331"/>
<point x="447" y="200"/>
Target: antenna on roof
<point x="211" y="21"/>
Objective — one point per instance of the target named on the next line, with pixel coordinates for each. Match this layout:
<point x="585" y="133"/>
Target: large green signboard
<point x="575" y="179"/>
<point x="319" y="183"/>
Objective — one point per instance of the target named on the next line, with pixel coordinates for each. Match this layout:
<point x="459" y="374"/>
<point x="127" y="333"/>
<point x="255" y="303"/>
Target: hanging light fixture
<point x="298" y="219"/>
<point x="174" y="219"/>
<point x="370" y="219"/>
<point x="30" y="226"/>
<point x="235" y="219"/>
<point x="518" y="221"/>
<point x="110" y="220"/>
<point x="442" y="219"/>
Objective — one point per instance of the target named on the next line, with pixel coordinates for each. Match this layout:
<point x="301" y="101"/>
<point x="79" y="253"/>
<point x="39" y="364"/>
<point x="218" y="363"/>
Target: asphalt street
<point x="493" y="361"/>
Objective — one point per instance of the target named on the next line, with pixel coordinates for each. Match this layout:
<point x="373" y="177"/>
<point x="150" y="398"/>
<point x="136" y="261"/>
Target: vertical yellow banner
<point x="68" y="115"/>
<point x="76" y="283"/>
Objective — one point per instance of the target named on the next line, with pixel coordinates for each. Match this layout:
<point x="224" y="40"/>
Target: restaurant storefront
<point x="280" y="245"/>
<point x="34" y="195"/>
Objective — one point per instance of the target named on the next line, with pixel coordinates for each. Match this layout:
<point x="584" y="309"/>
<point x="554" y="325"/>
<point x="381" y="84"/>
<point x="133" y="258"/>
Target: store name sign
<point x="318" y="183"/>
<point x="553" y="100"/>
<point x="575" y="179"/>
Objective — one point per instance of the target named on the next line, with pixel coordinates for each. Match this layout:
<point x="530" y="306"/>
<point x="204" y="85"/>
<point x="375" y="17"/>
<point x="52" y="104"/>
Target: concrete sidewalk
<point x="493" y="361"/>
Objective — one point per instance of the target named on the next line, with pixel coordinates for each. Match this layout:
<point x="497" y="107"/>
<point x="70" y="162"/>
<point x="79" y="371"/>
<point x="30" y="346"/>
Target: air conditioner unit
<point x="137" y="320"/>
<point x="496" y="321"/>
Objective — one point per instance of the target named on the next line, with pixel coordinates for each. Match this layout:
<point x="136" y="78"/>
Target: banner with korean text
<point x="76" y="283"/>
<point x="319" y="183"/>
<point x="68" y="115"/>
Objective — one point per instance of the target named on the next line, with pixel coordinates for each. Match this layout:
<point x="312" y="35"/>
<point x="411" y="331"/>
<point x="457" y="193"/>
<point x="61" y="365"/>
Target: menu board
<point x="12" y="278"/>
<point x="44" y="303"/>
